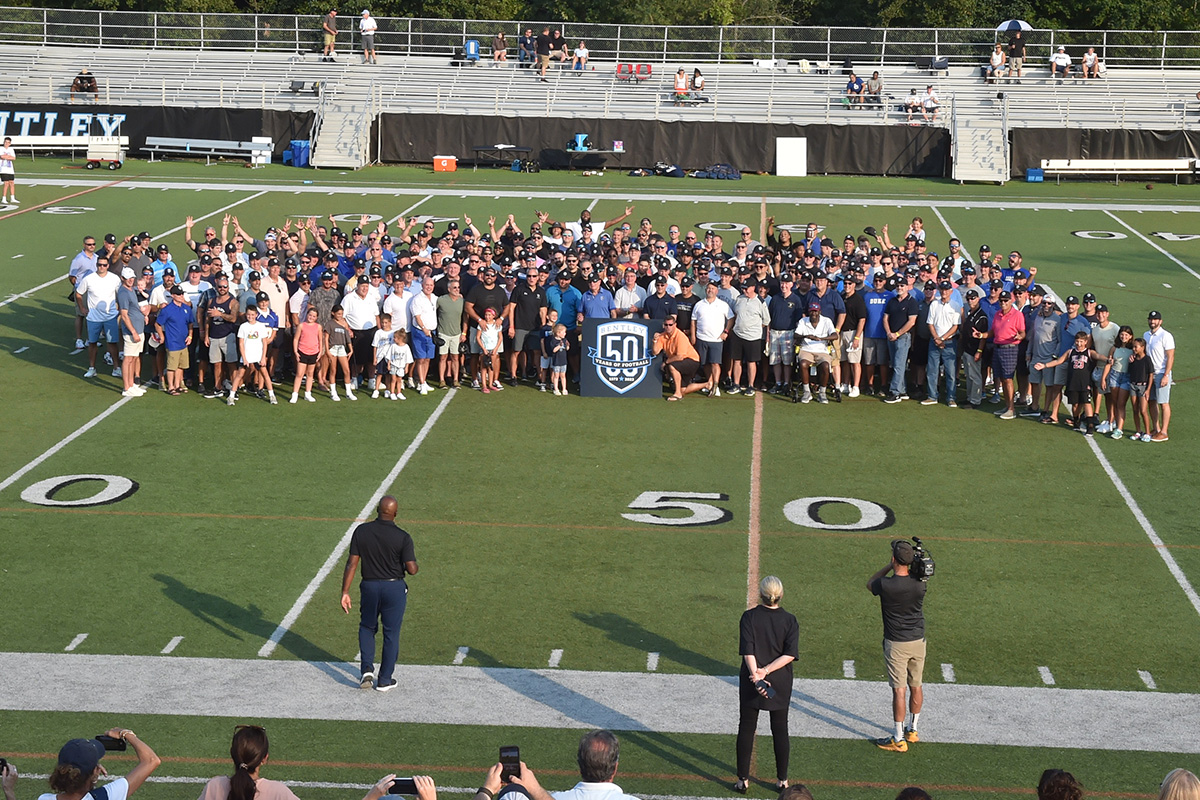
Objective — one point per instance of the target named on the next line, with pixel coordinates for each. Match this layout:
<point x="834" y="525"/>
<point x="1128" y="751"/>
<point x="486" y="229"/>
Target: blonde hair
<point x="400" y="335"/>
<point x="1180" y="785"/>
<point x="770" y="590"/>
<point x="559" y="327"/>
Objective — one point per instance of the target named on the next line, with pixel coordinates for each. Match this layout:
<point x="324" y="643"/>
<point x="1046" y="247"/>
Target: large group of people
<point x="409" y="306"/>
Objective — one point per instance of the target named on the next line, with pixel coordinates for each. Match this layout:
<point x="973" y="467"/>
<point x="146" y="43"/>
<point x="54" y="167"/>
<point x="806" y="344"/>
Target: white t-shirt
<point x="1089" y="58"/>
<point x="117" y="790"/>
<point x="298" y="304"/>
<point x="101" y="295"/>
<point x="382" y="341"/>
<point x="7" y="166"/>
<point x="627" y="298"/>
<point x="1157" y="345"/>
<point x="424" y="309"/>
<point x="576" y="228"/>
<point x="360" y="311"/>
<point x="710" y="319"/>
<point x="824" y="327"/>
<point x="1060" y="59"/>
<point x="399" y="358"/>
<point x="396" y="306"/>
<point x="254" y="335"/>
<point x="367" y="26"/>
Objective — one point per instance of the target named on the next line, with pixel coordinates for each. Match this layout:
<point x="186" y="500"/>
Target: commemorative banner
<point x="615" y="358"/>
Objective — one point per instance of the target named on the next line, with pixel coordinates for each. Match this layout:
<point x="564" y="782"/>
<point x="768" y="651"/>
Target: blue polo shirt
<point x="656" y="307"/>
<point x="831" y="304"/>
<point x="786" y="311"/>
<point x="176" y="321"/>
<point x="566" y="302"/>
<point x="599" y="305"/>
<point x="1068" y="328"/>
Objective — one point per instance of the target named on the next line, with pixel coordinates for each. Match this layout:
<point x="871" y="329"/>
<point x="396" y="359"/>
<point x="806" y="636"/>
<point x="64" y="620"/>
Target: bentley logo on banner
<point x="617" y="361"/>
<point x="26" y="122"/>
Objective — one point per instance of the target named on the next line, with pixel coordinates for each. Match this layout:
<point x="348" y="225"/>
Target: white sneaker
<point x="108" y="359"/>
<point x="79" y="345"/>
<point x="350" y="393"/>
<point x="116" y="372"/>
<point x="271" y="396"/>
<point x="15" y="201"/>
<point x="854" y="392"/>
<point x="424" y="389"/>
<point x="375" y="394"/>
<point x="308" y="396"/>
<point x="475" y="383"/>
<point x="295" y="397"/>
<point x="410" y="383"/>
<point x="138" y="390"/>
<point x="334" y="395"/>
<point x="497" y="387"/>
<point x="821" y="396"/>
<point x="1104" y="427"/>
<point x="929" y="401"/>
<point x="399" y="396"/>
<point x="231" y="399"/>
<point x="716" y="392"/>
<point x="557" y="393"/>
<point x="91" y="373"/>
<point x="131" y="392"/>
<point x="807" y="396"/>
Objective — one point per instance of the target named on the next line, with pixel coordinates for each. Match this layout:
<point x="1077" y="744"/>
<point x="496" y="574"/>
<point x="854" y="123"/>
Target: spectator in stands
<point x="1091" y="64"/>
<point x="8" y="172"/>
<point x="1178" y="785"/>
<point x="542" y="46"/>
<point x="366" y="29"/>
<point x="697" y="85"/>
<point x="525" y="48"/>
<point x="996" y="64"/>
<point x="558" y="47"/>
<point x="929" y="104"/>
<point x="329" y="33"/>
<point x="85" y="83"/>
<point x="681" y="86"/>
<point x="580" y="58"/>
<point x="1060" y="63"/>
<point x="874" y="92"/>
<point x="854" y="89"/>
<point x="499" y="47"/>
<point x="1016" y="55"/>
<point x="912" y="104"/>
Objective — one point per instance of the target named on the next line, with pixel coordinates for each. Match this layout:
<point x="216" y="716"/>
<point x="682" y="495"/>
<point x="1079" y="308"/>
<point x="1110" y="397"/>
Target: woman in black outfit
<point x="768" y="645"/>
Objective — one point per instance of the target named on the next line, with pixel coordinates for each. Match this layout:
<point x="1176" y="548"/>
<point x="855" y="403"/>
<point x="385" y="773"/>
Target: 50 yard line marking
<point x="298" y="607"/>
<point x="753" y="534"/>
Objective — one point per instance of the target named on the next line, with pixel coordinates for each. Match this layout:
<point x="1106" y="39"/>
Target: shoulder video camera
<point x="922" y="566"/>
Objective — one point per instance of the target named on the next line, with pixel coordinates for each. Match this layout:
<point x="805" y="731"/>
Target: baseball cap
<point x="453" y="226"/>
<point x="331" y="256"/>
<point x="1038" y="290"/>
<point x="143" y="235"/>
<point x="359" y="263"/>
<point x="945" y="285"/>
<point x="110" y="238"/>
<point x="563" y="275"/>
<point x="262" y="297"/>
<point x="814" y="306"/>
<point x="327" y="275"/>
<point x="902" y="551"/>
<point x="661" y="280"/>
<point x="148" y="270"/>
<point x="1021" y="273"/>
<point x="127" y="273"/>
<point x="376" y="272"/>
<point x="968" y="270"/>
<point x="272" y="262"/>
<point x="162" y="248"/>
<point x="785" y="277"/>
<point x="169" y="271"/>
<point x="176" y="290"/>
<point x="996" y="285"/>
<point x="255" y="255"/>
<point x="357" y="230"/>
<point x="254" y="275"/>
<point x="1101" y="307"/>
<point x="1006" y="295"/>
<point x="1072" y="300"/>
<point x="875" y="251"/>
<point x="1155" y="315"/>
<point x="194" y="268"/>
<point x="1089" y="298"/>
<point x="972" y="293"/>
<point x="686" y="281"/>
<point x="932" y="285"/>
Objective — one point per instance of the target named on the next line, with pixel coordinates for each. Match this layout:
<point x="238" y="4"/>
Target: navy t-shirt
<point x="901" y="598"/>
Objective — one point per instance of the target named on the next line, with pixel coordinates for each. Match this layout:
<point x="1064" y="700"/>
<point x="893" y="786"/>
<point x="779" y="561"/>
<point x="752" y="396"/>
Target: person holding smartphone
<point x="8" y="780"/>
<point x="78" y="768"/>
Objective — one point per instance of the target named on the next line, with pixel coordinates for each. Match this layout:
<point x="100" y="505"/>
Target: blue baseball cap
<point x="83" y="754"/>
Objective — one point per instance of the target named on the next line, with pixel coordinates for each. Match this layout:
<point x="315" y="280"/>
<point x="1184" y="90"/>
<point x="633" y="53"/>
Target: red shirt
<point x="1006" y="327"/>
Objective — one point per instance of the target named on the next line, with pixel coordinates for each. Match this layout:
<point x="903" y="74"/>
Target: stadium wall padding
<point x="836" y="149"/>
<point x="240" y="124"/>
<point x="1031" y="145"/>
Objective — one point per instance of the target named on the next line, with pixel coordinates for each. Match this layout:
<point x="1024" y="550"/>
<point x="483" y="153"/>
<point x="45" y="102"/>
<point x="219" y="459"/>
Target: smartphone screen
<point x="111" y="743"/>
<point x="510" y="762"/>
<point x="403" y="786"/>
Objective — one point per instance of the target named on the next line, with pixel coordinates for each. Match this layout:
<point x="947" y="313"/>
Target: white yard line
<point x="1151" y="534"/>
<point x="1147" y="240"/>
<point x="66" y="440"/>
<point x="290" y="618"/>
<point x="461" y="655"/>
<point x="848" y="670"/>
<point x="753" y="533"/>
<point x="1047" y="675"/>
<point x="555" y="658"/>
<point x="1147" y="679"/>
<point x="945" y="224"/>
<point x="414" y="206"/>
<point x="651" y="662"/>
<point x="78" y="640"/>
<point x="948" y="673"/>
<point x="171" y="645"/>
<point x="12" y="298"/>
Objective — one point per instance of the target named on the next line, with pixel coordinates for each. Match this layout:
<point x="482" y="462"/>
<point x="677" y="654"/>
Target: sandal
<point x="174" y="392"/>
<point x="781" y="785"/>
<point x="673" y="399"/>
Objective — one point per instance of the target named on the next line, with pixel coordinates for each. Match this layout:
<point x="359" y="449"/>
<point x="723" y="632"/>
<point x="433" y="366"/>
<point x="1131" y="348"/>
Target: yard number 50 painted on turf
<point x="805" y="511"/>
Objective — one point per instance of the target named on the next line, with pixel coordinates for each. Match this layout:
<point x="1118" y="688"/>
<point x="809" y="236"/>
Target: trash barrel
<point x="299" y="148"/>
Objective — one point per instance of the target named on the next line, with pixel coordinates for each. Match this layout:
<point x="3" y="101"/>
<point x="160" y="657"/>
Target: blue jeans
<point x="898" y="350"/>
<point x="943" y="358"/>
<point x="381" y="601"/>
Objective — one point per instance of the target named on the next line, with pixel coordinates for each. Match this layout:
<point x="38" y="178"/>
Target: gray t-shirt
<point x="1103" y="339"/>
<point x="127" y="300"/>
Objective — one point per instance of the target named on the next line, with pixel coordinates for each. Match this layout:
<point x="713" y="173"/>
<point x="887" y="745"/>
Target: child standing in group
<point x="307" y="347"/>
<point x="253" y="338"/>
<point x="544" y="334"/>
<point x="400" y="358"/>
<point x="339" y="343"/>
<point x="381" y="348"/>
<point x="1140" y="371"/>
<point x="488" y="337"/>
<point x="1081" y="360"/>
<point x="558" y="358"/>
<point x="1116" y="378"/>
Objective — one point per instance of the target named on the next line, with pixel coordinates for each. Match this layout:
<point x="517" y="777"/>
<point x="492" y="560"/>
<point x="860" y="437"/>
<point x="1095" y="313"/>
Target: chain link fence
<point x="682" y="45"/>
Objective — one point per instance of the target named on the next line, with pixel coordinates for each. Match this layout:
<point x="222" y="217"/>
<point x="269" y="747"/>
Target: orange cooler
<point x="445" y="163"/>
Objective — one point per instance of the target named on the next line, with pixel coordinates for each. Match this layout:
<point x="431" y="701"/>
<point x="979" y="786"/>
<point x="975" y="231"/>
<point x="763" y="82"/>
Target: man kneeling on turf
<point x="680" y="359"/>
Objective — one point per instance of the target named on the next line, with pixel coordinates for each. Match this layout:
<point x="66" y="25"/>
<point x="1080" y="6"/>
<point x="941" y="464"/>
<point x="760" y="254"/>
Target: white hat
<point x="128" y="273"/>
<point x="366" y="13"/>
<point x="1061" y="49"/>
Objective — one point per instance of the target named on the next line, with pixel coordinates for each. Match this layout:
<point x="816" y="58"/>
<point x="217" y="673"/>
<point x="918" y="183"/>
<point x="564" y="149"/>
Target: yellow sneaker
<point x="910" y="735"/>
<point x="888" y="743"/>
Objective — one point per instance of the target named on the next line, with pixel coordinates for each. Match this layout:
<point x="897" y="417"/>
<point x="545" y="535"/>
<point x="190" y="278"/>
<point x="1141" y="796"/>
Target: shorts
<point x="875" y="353"/>
<point x="1075" y="398"/>
<point x="1060" y="374"/>
<point x="1041" y="376"/>
<point x="1160" y="394"/>
<point x="474" y="340"/>
<point x="1004" y="361"/>
<point x="362" y="346"/>
<point x="1139" y="389"/>
<point x="223" y="348"/>
<point x="108" y="328"/>
<point x="849" y="353"/>
<point x="710" y="352"/>
<point x="748" y="350"/>
<point x="905" y="662"/>
<point x="449" y="345"/>
<point x="836" y="344"/>
<point x="1100" y="386"/>
<point x="781" y="347"/>
<point x="560" y="370"/>
<point x="382" y="368"/>
<point x="1015" y="64"/>
<point x="329" y="39"/>
<point x="8" y="176"/>
<point x="368" y="41"/>
<point x="421" y="345"/>
<point x="133" y="349"/>
<point x="544" y="363"/>
<point x="177" y="359"/>
<point x="308" y="358"/>
<point x="521" y="340"/>
<point x="1118" y="380"/>
<point x="543" y="60"/>
<point x="687" y="368"/>
<point x="337" y="351"/>
<point x="809" y="357"/>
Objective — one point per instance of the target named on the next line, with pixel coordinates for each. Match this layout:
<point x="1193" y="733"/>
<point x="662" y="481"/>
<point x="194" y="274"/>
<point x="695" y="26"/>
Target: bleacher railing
<point x="635" y="43"/>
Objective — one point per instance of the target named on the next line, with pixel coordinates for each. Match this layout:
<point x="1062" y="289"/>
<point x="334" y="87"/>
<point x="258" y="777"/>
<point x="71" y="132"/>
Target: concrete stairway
<point x="979" y="137"/>
<point x="343" y="135"/>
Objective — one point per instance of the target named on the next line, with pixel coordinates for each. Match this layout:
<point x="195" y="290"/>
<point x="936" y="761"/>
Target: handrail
<point x="404" y="36"/>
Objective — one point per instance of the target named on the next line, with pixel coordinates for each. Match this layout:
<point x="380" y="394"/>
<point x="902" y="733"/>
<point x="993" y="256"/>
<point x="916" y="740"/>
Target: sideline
<point x="298" y="607"/>
<point x="1143" y="237"/>
<point x="87" y="426"/>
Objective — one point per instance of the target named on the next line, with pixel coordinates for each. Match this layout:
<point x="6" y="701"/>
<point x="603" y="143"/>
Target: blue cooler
<point x="1034" y="175"/>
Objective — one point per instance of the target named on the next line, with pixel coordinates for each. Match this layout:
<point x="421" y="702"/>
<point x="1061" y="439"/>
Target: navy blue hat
<point x="83" y="754"/>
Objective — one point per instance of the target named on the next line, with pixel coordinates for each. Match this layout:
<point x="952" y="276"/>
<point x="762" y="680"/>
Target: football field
<point x="594" y="535"/>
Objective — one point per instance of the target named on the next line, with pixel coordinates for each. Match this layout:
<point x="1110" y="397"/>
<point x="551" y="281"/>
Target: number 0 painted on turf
<point x="116" y="489"/>
<point x="806" y="512"/>
<point x="1106" y="236"/>
<point x="702" y="513"/>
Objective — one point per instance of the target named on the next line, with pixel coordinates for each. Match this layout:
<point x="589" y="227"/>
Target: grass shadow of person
<point x="624" y="631"/>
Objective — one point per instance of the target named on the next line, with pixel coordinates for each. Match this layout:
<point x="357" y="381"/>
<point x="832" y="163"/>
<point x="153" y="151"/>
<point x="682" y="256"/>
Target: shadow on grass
<point x="624" y="631"/>
<point x="237" y="622"/>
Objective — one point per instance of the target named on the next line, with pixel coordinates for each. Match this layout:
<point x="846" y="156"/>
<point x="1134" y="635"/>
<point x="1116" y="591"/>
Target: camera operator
<point x="900" y="598"/>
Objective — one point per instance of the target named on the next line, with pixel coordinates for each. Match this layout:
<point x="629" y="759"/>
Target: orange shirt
<point x="675" y="346"/>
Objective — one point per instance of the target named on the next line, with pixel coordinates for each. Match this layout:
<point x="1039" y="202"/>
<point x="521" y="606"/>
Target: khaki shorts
<point x="836" y="344"/>
<point x="450" y="345"/>
<point x="848" y="353"/>
<point x="807" y="357"/>
<point x="132" y="349"/>
<point x="543" y="60"/>
<point x="329" y="39"/>
<point x="905" y="662"/>
<point x="177" y="359"/>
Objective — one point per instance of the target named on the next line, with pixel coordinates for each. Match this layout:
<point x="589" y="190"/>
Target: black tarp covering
<point x="240" y="124"/>
<point x="1031" y="145"/>
<point x="837" y="149"/>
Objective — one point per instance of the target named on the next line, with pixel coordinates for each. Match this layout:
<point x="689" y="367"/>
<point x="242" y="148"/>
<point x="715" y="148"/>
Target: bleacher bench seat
<point x="303" y="87"/>
<point x="209" y="148"/>
<point x="1118" y="166"/>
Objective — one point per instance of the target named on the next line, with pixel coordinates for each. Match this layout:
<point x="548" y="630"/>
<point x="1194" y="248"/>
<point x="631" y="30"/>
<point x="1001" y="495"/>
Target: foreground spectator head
<point x="248" y="751"/>
<point x="1058" y="784"/>
<point x="913" y="793"/>
<point x="797" y="792"/>
<point x="599" y="752"/>
<point x="1180" y="785"/>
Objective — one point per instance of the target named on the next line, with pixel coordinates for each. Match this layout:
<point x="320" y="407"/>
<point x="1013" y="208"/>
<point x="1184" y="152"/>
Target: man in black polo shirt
<point x="901" y="597"/>
<point x="899" y="317"/>
<point x="386" y="553"/>
<point x="526" y="313"/>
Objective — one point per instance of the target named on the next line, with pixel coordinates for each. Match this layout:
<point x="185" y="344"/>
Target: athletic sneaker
<point x="79" y="345"/>
<point x="910" y="735"/>
<point x="294" y="398"/>
<point x="541" y="387"/>
<point x="951" y="404"/>
<point x="231" y="399"/>
<point x="1104" y="427"/>
<point x="929" y="401"/>
<point x="1159" y="437"/>
<point x="716" y="392"/>
<point x="375" y="394"/>
<point x="1008" y="414"/>
<point x="367" y="680"/>
<point x="91" y="373"/>
<point x="735" y="390"/>
<point x="210" y="394"/>
<point x="888" y="743"/>
<point x="749" y="392"/>
<point x="132" y="392"/>
<point x="424" y="388"/>
<point x="474" y="384"/>
<point x="821" y="398"/>
<point x="116" y="372"/>
<point x="308" y="396"/>
<point x="854" y="392"/>
<point x="557" y="393"/>
<point x="108" y="359"/>
<point x="892" y="398"/>
<point x="1031" y="412"/>
<point x="387" y="687"/>
<point x="1091" y="431"/>
<point x="1117" y="433"/>
<point x="806" y="397"/>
